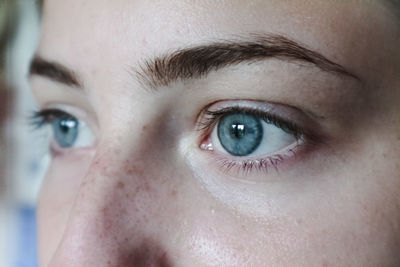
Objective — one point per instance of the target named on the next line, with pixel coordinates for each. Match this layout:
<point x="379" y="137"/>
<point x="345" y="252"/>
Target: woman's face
<point x="220" y="133"/>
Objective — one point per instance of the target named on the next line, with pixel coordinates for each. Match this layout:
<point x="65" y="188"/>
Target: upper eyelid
<point x="44" y="115"/>
<point x="272" y="118"/>
<point x="303" y="122"/>
<point x="77" y="112"/>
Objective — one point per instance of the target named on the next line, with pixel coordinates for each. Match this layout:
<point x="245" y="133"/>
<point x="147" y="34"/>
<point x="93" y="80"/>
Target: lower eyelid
<point x="249" y="169"/>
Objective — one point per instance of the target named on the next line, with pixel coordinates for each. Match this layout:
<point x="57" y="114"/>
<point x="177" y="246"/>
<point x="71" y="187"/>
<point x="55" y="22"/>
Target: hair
<point x="394" y="6"/>
<point x="8" y="16"/>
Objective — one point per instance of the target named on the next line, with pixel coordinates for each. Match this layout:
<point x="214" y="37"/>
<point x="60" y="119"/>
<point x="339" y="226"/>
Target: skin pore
<point x="148" y="181"/>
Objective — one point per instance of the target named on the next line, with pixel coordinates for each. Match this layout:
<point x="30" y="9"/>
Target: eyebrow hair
<point x="54" y="71"/>
<point x="198" y="61"/>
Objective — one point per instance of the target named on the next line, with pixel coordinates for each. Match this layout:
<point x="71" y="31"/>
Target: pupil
<point x="238" y="130"/>
<point x="66" y="125"/>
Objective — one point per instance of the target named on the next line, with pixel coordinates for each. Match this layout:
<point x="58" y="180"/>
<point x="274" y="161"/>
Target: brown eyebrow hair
<point x="54" y="71"/>
<point x="198" y="61"/>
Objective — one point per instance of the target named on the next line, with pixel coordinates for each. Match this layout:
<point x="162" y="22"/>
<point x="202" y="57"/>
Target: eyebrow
<point x="198" y="61"/>
<point x="54" y="71"/>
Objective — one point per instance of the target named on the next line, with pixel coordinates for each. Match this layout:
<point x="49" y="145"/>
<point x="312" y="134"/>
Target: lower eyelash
<point x="248" y="166"/>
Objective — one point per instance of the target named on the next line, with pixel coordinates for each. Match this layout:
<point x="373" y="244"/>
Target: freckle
<point x="127" y="163"/>
<point x="144" y="128"/>
<point x="173" y="193"/>
<point x="120" y="185"/>
<point x="146" y="187"/>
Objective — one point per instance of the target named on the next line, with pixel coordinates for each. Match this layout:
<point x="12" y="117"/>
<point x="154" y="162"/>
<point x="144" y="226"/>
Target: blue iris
<point x="65" y="130"/>
<point x="240" y="134"/>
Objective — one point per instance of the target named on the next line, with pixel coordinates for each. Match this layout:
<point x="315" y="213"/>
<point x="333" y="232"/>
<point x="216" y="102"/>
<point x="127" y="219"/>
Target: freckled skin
<point x="146" y="195"/>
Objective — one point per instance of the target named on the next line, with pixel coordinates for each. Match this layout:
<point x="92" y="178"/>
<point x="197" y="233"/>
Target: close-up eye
<point x="67" y="131"/>
<point x="243" y="134"/>
<point x="250" y="136"/>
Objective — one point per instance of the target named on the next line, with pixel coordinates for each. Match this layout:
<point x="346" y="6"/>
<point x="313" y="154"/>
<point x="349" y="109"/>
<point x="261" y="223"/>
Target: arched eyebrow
<point x="54" y="71"/>
<point x="196" y="62"/>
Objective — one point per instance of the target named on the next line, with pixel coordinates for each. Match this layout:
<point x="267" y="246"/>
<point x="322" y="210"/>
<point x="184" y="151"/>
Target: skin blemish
<point x="173" y="193"/>
<point x="120" y="185"/>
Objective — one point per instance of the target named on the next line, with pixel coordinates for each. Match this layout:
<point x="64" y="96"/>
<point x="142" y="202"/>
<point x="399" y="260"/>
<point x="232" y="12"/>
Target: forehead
<point x="101" y="35"/>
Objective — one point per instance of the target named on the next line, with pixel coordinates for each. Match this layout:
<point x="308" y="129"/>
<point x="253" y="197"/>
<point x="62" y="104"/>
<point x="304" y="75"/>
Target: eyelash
<point x="40" y="118"/>
<point x="213" y="116"/>
<point x="210" y="119"/>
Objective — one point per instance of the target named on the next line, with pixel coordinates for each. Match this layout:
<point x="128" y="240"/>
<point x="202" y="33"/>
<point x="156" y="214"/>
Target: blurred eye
<point x="66" y="130"/>
<point x="243" y="134"/>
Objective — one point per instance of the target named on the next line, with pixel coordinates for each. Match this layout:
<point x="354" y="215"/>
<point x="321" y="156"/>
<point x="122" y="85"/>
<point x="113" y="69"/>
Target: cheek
<point x="56" y="200"/>
<point x="356" y="223"/>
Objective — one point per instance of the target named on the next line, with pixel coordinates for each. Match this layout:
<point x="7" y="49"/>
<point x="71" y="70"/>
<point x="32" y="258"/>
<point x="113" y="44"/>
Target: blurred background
<point x="23" y="157"/>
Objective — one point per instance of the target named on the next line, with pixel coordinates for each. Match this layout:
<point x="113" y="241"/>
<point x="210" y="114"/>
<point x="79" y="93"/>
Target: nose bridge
<point x="110" y="214"/>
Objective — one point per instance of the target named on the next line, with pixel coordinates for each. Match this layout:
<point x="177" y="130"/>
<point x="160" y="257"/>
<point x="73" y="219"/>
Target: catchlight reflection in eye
<point x="246" y="135"/>
<point x="249" y="134"/>
<point x="240" y="134"/>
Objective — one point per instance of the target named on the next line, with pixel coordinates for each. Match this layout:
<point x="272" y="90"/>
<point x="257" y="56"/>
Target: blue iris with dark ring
<point x="65" y="130"/>
<point x="240" y="134"/>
